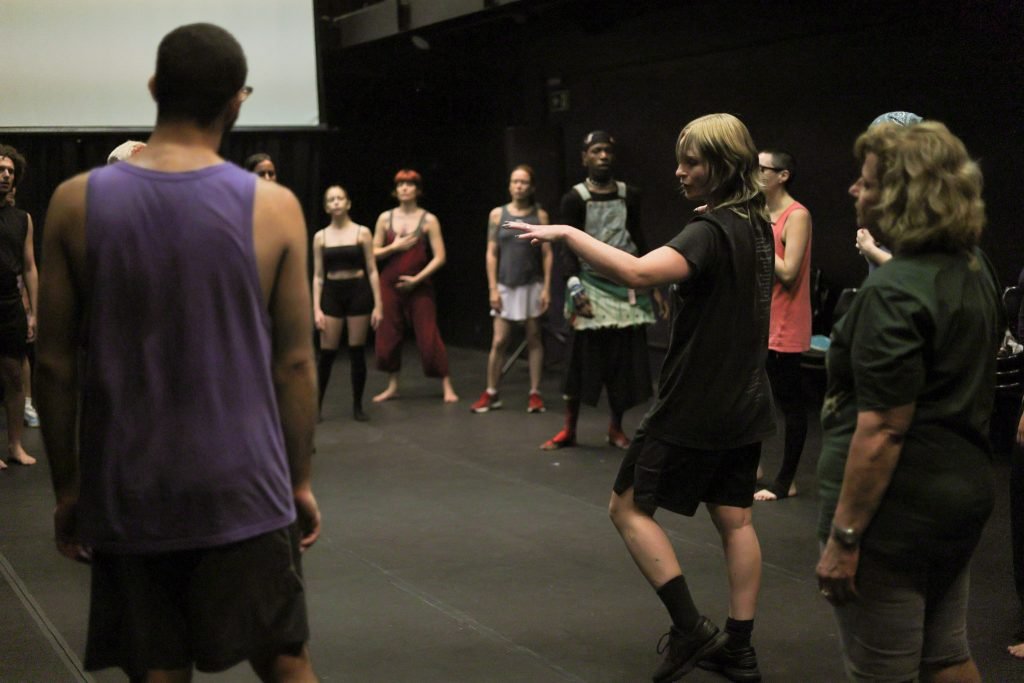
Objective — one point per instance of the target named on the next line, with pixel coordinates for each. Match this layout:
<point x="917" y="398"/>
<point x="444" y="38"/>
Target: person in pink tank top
<point x="789" y="333"/>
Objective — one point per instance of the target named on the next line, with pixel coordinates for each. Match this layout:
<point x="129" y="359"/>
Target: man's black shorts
<point x="210" y="608"/>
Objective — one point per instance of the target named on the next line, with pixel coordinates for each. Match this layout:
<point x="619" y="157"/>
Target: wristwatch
<point x="848" y="537"/>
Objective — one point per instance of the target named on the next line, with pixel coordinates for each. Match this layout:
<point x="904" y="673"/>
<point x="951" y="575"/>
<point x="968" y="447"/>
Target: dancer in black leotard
<point x="346" y="292"/>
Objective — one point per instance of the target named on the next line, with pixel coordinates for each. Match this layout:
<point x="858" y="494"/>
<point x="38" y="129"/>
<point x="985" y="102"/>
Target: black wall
<point x="804" y="75"/>
<point x="808" y="76"/>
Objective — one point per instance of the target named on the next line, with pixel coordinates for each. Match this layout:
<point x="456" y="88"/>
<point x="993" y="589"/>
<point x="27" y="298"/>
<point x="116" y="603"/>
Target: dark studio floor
<point x="454" y="550"/>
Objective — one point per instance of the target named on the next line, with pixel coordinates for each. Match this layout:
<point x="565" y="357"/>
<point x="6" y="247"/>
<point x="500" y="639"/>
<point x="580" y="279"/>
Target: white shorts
<point x="519" y="304"/>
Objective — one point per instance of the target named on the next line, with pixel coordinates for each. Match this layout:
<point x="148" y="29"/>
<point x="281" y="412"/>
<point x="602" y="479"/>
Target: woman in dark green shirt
<point x="905" y="476"/>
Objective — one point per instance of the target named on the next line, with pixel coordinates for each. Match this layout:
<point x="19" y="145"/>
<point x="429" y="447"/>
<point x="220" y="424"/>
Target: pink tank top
<point x="790" y="327"/>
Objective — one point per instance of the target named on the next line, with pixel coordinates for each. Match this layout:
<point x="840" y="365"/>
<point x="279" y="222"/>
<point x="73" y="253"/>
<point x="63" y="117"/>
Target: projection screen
<point x="84" y="64"/>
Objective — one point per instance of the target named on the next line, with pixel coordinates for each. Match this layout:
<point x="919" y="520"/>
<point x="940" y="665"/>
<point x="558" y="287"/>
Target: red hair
<point x="408" y="175"/>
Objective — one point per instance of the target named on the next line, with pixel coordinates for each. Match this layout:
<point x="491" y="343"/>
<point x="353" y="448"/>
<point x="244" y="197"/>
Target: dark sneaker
<point x="738" y="665"/>
<point x="487" y="401"/>
<point x="684" y="650"/>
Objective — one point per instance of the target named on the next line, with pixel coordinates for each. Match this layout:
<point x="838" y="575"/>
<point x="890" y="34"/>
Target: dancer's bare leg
<point x="14" y="405"/>
<point x="645" y="540"/>
<point x="449" y="392"/>
<point x="496" y="357"/>
<point x="742" y="558"/>
<point x="391" y="391"/>
<point x="535" y="346"/>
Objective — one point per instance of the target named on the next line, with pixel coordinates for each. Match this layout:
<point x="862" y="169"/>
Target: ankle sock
<point x="323" y="370"/>
<point x="739" y="632"/>
<point x="675" y="595"/>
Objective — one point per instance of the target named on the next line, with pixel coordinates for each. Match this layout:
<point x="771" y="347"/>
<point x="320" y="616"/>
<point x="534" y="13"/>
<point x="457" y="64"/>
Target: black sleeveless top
<point x="13" y="232"/>
<point x="347" y="257"/>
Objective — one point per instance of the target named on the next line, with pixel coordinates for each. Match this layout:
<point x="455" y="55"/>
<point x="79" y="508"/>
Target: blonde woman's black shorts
<point x="677" y="478"/>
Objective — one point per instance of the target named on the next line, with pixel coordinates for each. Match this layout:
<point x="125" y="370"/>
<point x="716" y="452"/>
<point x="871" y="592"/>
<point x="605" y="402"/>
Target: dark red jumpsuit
<point x="414" y="306"/>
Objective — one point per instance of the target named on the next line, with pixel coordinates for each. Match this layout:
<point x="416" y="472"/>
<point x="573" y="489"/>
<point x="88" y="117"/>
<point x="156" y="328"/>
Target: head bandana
<point x="597" y="137"/>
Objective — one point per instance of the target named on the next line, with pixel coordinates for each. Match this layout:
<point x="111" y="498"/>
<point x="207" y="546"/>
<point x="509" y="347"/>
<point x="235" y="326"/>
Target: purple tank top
<point x="181" y="443"/>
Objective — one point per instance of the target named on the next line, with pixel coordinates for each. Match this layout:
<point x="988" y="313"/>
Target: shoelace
<point x="664" y="641"/>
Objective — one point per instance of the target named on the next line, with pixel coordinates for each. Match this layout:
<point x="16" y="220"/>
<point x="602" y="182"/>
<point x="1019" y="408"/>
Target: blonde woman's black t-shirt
<point x="713" y="393"/>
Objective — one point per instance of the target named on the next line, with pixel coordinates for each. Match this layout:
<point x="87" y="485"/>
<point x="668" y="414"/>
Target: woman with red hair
<point x="408" y="244"/>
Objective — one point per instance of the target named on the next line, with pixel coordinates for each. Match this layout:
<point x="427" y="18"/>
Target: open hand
<point x="404" y="242"/>
<point x="537" y="233"/>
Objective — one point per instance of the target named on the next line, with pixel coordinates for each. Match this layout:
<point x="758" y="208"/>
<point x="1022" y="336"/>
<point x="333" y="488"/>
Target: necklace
<point x="601" y="187"/>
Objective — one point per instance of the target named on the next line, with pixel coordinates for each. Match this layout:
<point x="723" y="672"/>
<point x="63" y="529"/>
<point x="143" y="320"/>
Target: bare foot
<point x="3" y="465"/>
<point x="386" y="395"/>
<point x="19" y="456"/>
<point x="1016" y="650"/>
<point x="765" y="495"/>
<point x="449" y="391"/>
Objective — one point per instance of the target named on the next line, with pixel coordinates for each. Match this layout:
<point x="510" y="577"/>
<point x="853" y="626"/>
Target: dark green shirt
<point x="923" y="329"/>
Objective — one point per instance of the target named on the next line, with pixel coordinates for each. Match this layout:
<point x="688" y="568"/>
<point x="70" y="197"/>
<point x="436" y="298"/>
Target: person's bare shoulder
<point x="275" y="206"/>
<point x="495" y="214"/>
<point x="67" y="206"/>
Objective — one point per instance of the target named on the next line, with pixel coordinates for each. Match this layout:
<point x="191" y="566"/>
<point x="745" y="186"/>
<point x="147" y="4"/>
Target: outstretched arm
<point x="662" y="266"/>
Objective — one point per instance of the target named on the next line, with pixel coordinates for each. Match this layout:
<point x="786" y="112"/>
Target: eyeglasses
<point x="771" y="168"/>
<point x="245" y="92"/>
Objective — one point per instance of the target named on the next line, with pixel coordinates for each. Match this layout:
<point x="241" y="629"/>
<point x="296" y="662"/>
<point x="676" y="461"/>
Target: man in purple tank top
<point x="186" y="480"/>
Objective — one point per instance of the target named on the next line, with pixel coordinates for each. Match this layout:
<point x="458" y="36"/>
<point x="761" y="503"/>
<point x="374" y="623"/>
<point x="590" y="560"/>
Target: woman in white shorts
<point x="519" y="288"/>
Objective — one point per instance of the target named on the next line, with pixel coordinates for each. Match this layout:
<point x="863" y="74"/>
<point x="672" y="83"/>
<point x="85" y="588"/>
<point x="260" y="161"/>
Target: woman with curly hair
<point x="905" y="469"/>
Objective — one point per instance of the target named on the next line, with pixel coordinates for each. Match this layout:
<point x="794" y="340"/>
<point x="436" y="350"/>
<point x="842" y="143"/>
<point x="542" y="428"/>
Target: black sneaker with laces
<point x="739" y="665"/>
<point x="684" y="650"/>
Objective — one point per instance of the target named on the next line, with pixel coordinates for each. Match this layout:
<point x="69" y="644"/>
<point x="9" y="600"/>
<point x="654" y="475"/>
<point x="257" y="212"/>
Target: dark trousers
<point x="787" y="386"/>
<point x="1017" y="517"/>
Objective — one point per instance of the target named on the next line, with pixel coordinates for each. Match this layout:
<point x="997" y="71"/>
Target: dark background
<point x="806" y="76"/>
